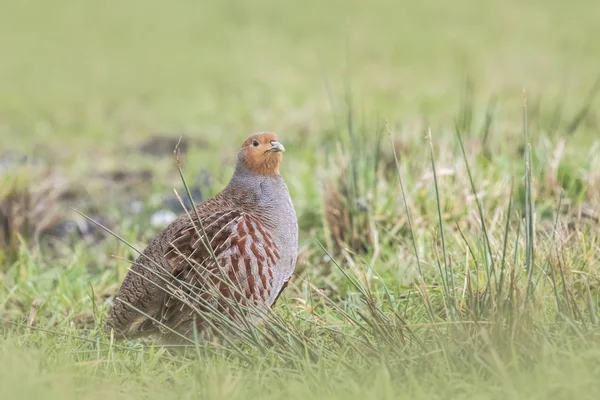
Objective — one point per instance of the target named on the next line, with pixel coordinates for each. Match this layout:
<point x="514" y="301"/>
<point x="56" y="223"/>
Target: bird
<point x="233" y="254"/>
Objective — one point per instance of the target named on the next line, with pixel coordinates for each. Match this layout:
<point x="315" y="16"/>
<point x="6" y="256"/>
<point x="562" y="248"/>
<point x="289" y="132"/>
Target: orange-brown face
<point x="262" y="153"/>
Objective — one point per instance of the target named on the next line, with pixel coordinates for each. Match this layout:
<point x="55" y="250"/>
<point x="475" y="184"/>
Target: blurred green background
<point x="102" y="73"/>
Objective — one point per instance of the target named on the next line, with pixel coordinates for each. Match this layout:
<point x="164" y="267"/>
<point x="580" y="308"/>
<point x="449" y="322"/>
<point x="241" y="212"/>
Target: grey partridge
<point x="252" y="229"/>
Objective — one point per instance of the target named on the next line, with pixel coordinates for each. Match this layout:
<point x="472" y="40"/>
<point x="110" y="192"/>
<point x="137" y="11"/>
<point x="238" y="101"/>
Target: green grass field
<point x="443" y="158"/>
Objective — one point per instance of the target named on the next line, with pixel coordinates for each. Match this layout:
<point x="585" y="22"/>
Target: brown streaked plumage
<point x="253" y="233"/>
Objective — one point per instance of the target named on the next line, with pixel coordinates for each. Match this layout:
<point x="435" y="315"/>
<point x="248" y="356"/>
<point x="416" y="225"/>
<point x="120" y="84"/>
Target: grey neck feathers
<point x="261" y="190"/>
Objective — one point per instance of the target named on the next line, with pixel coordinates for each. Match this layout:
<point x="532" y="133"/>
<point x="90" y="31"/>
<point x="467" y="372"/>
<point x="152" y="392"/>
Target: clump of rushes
<point x="29" y="207"/>
<point x="350" y="190"/>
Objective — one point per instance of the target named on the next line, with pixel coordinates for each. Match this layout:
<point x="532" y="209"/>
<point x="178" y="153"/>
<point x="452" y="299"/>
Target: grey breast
<point x="275" y="202"/>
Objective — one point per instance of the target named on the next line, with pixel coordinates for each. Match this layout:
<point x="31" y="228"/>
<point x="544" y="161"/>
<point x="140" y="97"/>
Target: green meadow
<point x="443" y="159"/>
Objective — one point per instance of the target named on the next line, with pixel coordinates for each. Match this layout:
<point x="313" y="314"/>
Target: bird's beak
<point x="276" y="147"/>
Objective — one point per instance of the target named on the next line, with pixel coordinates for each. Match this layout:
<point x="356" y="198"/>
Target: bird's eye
<point x="255" y="143"/>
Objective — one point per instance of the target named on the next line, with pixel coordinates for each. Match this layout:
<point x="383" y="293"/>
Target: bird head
<point x="262" y="154"/>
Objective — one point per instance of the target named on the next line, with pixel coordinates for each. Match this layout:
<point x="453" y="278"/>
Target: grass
<point x="449" y="240"/>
